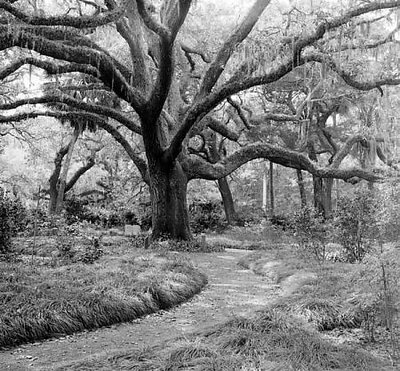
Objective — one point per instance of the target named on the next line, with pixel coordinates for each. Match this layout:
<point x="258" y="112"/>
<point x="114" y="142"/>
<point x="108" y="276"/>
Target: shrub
<point x="281" y="221"/>
<point x="206" y="215"/>
<point x="76" y="210"/>
<point x="6" y="226"/>
<point x="311" y="232"/>
<point x="355" y="223"/>
<point x="18" y="216"/>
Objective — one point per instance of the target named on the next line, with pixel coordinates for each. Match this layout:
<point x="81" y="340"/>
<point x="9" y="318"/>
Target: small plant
<point x="92" y="252"/>
<point x="380" y="293"/>
<point x="138" y="242"/>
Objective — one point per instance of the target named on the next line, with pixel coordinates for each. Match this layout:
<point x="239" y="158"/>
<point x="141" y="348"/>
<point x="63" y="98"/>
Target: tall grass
<point x="44" y="302"/>
<point x="271" y="340"/>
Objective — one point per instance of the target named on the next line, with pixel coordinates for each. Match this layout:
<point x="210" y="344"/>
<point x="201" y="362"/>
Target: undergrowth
<point x="269" y="341"/>
<point x="340" y="296"/>
<point x="38" y="302"/>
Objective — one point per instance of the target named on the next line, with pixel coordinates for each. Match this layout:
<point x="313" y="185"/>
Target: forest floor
<point x="232" y="291"/>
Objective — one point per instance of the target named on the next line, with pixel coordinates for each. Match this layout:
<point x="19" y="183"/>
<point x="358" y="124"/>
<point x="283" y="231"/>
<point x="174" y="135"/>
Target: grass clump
<point x="42" y="302"/>
<point x="272" y="340"/>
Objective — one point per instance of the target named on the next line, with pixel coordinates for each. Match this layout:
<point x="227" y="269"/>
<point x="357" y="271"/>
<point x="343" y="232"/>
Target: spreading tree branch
<point x="49" y="67"/>
<point x="85" y="21"/>
<point x="109" y="74"/>
<point x="55" y="97"/>
<point x="275" y="154"/>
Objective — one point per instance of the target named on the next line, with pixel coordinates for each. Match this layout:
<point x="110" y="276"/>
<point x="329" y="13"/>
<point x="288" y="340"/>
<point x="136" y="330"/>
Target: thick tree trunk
<point x="302" y="189"/>
<point x="227" y="199"/>
<point x="323" y="196"/>
<point x="168" y="189"/>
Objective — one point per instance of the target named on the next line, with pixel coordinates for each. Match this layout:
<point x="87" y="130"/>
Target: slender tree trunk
<point x="265" y="188"/>
<point x="327" y="194"/>
<point x="227" y="199"/>
<point x="302" y="189"/>
<point x="318" y="195"/>
<point x="168" y="189"/>
<point x="323" y="196"/>
<point x="271" y="188"/>
<point x="64" y="172"/>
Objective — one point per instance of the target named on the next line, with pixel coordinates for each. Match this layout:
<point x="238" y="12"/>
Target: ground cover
<point x="294" y="314"/>
<point x="348" y="303"/>
<point x="47" y="295"/>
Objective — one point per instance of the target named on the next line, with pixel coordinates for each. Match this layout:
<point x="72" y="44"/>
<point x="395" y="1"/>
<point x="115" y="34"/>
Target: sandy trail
<point x="231" y="291"/>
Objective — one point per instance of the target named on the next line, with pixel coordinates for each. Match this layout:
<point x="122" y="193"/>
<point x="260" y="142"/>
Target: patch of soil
<point x="231" y="291"/>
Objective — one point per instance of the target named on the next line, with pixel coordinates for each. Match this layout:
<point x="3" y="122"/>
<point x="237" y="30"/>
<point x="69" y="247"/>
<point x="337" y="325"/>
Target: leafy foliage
<point x="206" y="216"/>
<point x="355" y="223"/>
<point x="13" y="219"/>
<point x="5" y="226"/>
<point x="311" y="232"/>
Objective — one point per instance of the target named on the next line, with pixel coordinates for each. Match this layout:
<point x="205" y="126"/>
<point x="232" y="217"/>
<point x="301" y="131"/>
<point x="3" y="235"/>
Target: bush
<point x="77" y="210"/>
<point x="13" y="219"/>
<point x="18" y="216"/>
<point x="92" y="253"/>
<point x="206" y="215"/>
<point x="6" y="226"/>
<point x="311" y="231"/>
<point x="355" y="223"/>
<point x="282" y="221"/>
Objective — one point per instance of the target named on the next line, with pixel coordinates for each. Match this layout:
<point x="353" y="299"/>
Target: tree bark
<point x="302" y="189"/>
<point x="227" y="199"/>
<point x="328" y="204"/>
<point x="63" y="176"/>
<point x="54" y="178"/>
<point x="323" y="196"/>
<point x="168" y="188"/>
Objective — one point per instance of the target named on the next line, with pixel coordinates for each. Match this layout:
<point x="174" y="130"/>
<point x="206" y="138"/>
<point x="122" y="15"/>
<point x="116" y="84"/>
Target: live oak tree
<point x="151" y="81"/>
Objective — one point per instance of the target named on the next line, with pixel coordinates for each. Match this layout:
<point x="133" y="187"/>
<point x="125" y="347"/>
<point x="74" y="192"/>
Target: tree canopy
<point x="166" y="82"/>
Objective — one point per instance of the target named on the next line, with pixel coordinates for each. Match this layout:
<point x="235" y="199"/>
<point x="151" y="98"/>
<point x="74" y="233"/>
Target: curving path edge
<point x="231" y="291"/>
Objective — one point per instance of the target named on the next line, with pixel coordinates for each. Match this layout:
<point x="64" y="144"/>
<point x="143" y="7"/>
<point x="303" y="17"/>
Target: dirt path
<point x="231" y="291"/>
